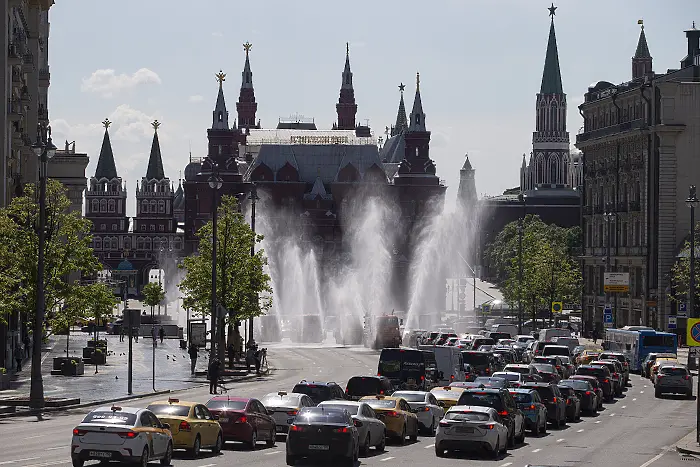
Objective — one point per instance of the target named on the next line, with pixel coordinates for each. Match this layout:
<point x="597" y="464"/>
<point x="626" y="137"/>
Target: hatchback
<point x="674" y="379"/>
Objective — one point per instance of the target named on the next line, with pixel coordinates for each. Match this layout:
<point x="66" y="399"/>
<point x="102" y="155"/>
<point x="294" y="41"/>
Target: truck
<point x="383" y="331"/>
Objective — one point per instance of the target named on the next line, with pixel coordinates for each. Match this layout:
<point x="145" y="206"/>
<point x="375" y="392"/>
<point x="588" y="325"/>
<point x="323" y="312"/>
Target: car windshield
<point x="285" y="400"/>
<point x="522" y="397"/>
<point x="488" y="381"/>
<point x="483" y="399"/>
<point x="467" y="416"/>
<point x="318" y="415"/>
<point x="544" y="367"/>
<point x="475" y="358"/>
<point x="221" y="404"/>
<point x="591" y="371"/>
<point x="362" y="386"/>
<point x="113" y="418"/>
<point x="381" y="403"/>
<point x="577" y="385"/>
<point x="506" y="376"/>
<point x="351" y="408"/>
<point x="167" y="409"/>
<point x="517" y="369"/>
<point x="315" y="392"/>
<point x="410" y="397"/>
<point x="545" y="393"/>
<point x="673" y="371"/>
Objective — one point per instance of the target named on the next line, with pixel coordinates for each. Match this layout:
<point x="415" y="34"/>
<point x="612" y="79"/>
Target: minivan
<point x="360" y="386"/>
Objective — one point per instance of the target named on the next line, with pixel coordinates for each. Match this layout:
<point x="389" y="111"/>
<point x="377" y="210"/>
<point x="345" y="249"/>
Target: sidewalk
<point x="689" y="444"/>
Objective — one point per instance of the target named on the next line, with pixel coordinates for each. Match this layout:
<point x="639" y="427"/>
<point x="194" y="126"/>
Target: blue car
<point x="533" y="409"/>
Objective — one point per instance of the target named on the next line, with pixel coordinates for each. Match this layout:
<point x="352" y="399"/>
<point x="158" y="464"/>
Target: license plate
<point x="319" y="447"/>
<point x="279" y="429"/>
<point x="102" y="454"/>
<point x="223" y="420"/>
<point x="464" y="429"/>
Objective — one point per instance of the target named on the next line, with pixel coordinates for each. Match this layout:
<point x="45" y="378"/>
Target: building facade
<point x="640" y="143"/>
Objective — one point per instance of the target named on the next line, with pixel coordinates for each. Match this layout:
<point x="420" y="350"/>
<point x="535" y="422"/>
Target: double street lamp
<point x="253" y="197"/>
<point x="521" y="227"/>
<point x="215" y="183"/>
<point x="45" y="150"/>
<point x="692" y="202"/>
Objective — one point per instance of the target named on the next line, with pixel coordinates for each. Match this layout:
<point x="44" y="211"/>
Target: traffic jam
<point x="482" y="394"/>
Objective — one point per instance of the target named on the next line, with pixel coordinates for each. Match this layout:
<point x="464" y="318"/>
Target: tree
<point x="100" y="302"/>
<point x="680" y="273"/>
<point x="153" y="294"/>
<point x="74" y="309"/>
<point x="239" y="276"/>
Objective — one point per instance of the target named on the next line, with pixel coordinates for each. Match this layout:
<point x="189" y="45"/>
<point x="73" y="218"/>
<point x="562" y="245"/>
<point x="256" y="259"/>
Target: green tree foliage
<point x="67" y="249"/>
<point x="680" y="272"/>
<point x="240" y="277"/>
<point x="153" y="294"/>
<point x="550" y="269"/>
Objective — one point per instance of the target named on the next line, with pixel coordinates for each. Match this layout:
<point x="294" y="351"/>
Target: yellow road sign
<point x="693" y="332"/>
<point x="557" y="307"/>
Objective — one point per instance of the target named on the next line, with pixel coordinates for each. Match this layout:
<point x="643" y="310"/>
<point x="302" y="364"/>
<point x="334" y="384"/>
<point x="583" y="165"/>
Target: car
<point x="243" y="419"/>
<point x="452" y="341"/>
<point x="659" y="362"/>
<point x="674" y="379"/>
<point x="464" y="384"/>
<point x="479" y="341"/>
<point x="615" y="375"/>
<point x="283" y="407"/>
<point x="547" y="372"/>
<point x="585" y="392"/>
<point x="552" y="398"/>
<point x="492" y="382"/>
<point x="566" y="361"/>
<point x="192" y="426"/>
<point x="587" y="356"/>
<point x="514" y="379"/>
<point x="533" y="409"/>
<point x="480" y="363"/>
<point x="124" y="434"/>
<point x="426" y="407"/>
<point x="622" y="358"/>
<point x="506" y="354"/>
<point x="466" y="427"/>
<point x="650" y="359"/>
<point x="397" y="415"/>
<point x="323" y="433"/>
<point x="360" y="386"/>
<point x="558" y="350"/>
<point x="502" y="401"/>
<point x="370" y="430"/>
<point x="319" y="391"/>
<point x="602" y="374"/>
<point x="521" y="368"/>
<point x="538" y="347"/>
<point x="573" y="403"/>
<point x="447" y="396"/>
<point x="555" y="361"/>
<point x="595" y="384"/>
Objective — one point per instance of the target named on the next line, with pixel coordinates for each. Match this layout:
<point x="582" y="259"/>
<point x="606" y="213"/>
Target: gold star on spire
<point x="106" y="123"/>
<point x="220" y="77"/>
<point x="247" y="46"/>
<point x="156" y="124"/>
<point x="402" y="87"/>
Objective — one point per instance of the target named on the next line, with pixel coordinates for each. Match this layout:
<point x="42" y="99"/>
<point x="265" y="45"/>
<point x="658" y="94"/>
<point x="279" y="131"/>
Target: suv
<point x="620" y="357"/>
<point x="602" y="374"/>
<point x="539" y="346"/>
<point x="552" y="399"/>
<point x="615" y="373"/>
<point x="360" y="386"/>
<point x="674" y="378"/>
<point x="480" y="363"/>
<point x="556" y="362"/>
<point x="503" y="402"/>
<point x="319" y="391"/>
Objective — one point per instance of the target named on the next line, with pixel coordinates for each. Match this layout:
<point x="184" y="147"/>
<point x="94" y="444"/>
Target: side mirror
<point x="166" y="426"/>
<point x="441" y="404"/>
<point x="270" y="411"/>
<point x="216" y="417"/>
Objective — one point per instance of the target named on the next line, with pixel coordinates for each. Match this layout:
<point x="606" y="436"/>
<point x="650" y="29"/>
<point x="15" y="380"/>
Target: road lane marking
<point x="56" y="447"/>
<point x="46" y="464"/>
<point x="612" y="414"/>
<point x="560" y="440"/>
<point x="272" y="452"/>
<point x="207" y="465"/>
<point x="536" y="450"/>
<point x="579" y="431"/>
<point x="624" y="406"/>
<point x="35" y="436"/>
<point x="506" y="464"/>
<point x="429" y="446"/>
<point x="386" y="459"/>
<point x="634" y="399"/>
<point x="641" y="392"/>
<point x="19" y="460"/>
<point x="597" y="421"/>
<point x="646" y="386"/>
<point x="654" y="459"/>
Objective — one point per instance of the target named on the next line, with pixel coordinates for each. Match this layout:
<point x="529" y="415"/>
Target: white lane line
<point x="597" y="421"/>
<point x="506" y="464"/>
<point x="654" y="459"/>
<point x="46" y="464"/>
<point x="536" y="450"/>
<point x="386" y="459"/>
<point x="634" y="399"/>
<point x="579" y="431"/>
<point x="272" y="452"/>
<point x="207" y="465"/>
<point x="55" y="448"/>
<point x="624" y="406"/>
<point x="560" y="440"/>
<point x="641" y="392"/>
<point x="19" y="460"/>
<point x="429" y="446"/>
<point x="35" y="436"/>
<point x="646" y="386"/>
<point x="612" y="414"/>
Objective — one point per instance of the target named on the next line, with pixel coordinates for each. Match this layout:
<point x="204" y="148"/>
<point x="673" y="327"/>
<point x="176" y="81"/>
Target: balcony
<point x="44" y="77"/>
<point x="635" y="206"/>
<point x="622" y="206"/>
<point x="28" y="62"/>
<point x="611" y="130"/>
<point x="14" y="109"/>
<point x="13" y="55"/>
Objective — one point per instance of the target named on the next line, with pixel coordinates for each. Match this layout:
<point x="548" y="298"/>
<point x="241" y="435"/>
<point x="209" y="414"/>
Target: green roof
<point x="105" y="164"/>
<point x="642" y="47"/>
<point x="551" y="77"/>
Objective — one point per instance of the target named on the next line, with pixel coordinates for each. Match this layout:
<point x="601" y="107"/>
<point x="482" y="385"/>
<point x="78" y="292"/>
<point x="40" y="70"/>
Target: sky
<point x="480" y="62"/>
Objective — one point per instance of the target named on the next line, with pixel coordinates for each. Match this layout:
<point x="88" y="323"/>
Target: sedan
<point x="397" y="415"/>
<point x="467" y="427"/>
<point x="573" y="403"/>
<point x="370" y="430"/>
<point x="283" y="407"/>
<point x="426" y="407"/>
<point x="243" y="419"/>
<point x="533" y="409"/>
<point x="514" y="379"/>
<point x="585" y="392"/>
<point x="323" y="433"/>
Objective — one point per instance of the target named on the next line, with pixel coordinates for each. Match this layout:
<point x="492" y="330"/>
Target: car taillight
<point x="568" y="401"/>
<point x="443" y="423"/>
<point x="426" y="409"/>
<point x="452" y="377"/>
<point x="127" y="434"/>
<point x="292" y="412"/>
<point x="78" y="432"/>
<point x="554" y="400"/>
<point x="381" y="392"/>
<point x="341" y="430"/>
<point x="490" y="426"/>
<point x="503" y="413"/>
<point x="686" y="377"/>
<point x="659" y="377"/>
<point x="422" y="378"/>
<point x="606" y="380"/>
<point x="488" y="370"/>
<point x="532" y="407"/>
<point x="392" y="414"/>
<point x="558" y="367"/>
<point x="588" y="393"/>
<point x="357" y="422"/>
<point x="241" y="419"/>
<point x="379" y="374"/>
<point x="184" y="426"/>
<point x="295" y="428"/>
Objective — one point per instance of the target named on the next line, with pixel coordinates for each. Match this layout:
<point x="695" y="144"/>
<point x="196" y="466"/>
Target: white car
<point x="515" y="379"/>
<point x="123" y="434"/>
<point x="425" y="406"/>
<point x="466" y="427"/>
<point x="284" y="407"/>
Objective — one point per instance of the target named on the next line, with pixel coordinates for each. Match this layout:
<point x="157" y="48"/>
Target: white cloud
<point x="195" y="99"/>
<point x="131" y="125"/>
<point x="107" y="83"/>
<point x="217" y="34"/>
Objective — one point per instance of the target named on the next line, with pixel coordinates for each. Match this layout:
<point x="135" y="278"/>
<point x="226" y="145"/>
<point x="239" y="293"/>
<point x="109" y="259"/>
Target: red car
<point x="243" y="419"/>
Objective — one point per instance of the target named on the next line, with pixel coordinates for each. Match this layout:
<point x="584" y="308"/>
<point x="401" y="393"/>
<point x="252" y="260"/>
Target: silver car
<point x="426" y="408"/>
<point x="370" y="430"/>
<point x="283" y="407"/>
<point x="673" y="379"/>
<point x="467" y="426"/>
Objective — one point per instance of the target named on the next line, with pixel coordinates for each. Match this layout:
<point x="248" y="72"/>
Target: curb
<point x="682" y="450"/>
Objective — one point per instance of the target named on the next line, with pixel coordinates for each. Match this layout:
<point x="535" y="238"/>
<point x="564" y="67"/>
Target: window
<point x="115" y="243"/>
<point x="111" y="205"/>
<point x="162" y="228"/>
<point x="147" y="244"/>
<point x="178" y="243"/>
<point x="127" y="243"/>
<point x="154" y="206"/>
<point x="114" y="227"/>
<point x="144" y="206"/>
<point x="139" y="243"/>
<point x="103" y="227"/>
<point x="161" y="206"/>
<point x="143" y="227"/>
<point x="103" y="205"/>
<point x="153" y="228"/>
<point x="95" y="206"/>
<point x="637" y="233"/>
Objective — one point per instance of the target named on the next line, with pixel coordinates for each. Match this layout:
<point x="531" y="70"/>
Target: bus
<point x="636" y="343"/>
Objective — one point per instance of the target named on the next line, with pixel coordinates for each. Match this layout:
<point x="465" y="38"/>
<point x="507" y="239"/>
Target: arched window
<point x="539" y="170"/>
<point x="178" y="243"/>
<point x="98" y="243"/>
<point x="553" y="169"/>
<point x="103" y="205"/>
<point x="111" y="205"/>
<point x="147" y="243"/>
<point x="115" y="243"/>
<point x="161" y="206"/>
<point x="139" y="243"/>
<point x="154" y="206"/>
<point x="127" y="243"/>
<point x="144" y="206"/>
<point x="95" y="206"/>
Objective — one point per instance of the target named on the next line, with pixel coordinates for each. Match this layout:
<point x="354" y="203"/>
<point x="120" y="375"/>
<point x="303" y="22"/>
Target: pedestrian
<point x="19" y="353"/>
<point x="193" y="352"/>
<point x="122" y="331"/>
<point x="230" y="351"/>
<point x="27" y="345"/>
<point x="595" y="335"/>
<point x="257" y="361"/>
<point x="161" y="333"/>
<point x="214" y="371"/>
<point x="135" y="332"/>
<point x="153" y="335"/>
<point x="250" y="356"/>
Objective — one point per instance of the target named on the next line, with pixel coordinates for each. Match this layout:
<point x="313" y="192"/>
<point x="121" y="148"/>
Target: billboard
<point x="198" y="334"/>
<point x="616" y="282"/>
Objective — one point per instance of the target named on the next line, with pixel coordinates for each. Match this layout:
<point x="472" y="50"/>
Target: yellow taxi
<point x="447" y="396"/>
<point x="587" y="356"/>
<point x="658" y="362"/>
<point x="192" y="425"/>
<point x="396" y="414"/>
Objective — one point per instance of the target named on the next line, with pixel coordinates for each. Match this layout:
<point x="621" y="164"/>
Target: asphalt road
<point x="636" y="431"/>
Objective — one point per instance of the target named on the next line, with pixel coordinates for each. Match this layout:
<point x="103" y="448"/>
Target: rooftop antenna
<point x="190" y="142"/>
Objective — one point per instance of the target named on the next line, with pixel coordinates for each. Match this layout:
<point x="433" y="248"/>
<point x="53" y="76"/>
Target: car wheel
<point x="402" y="440"/>
<point x="433" y="428"/>
<point x="521" y="438"/>
<point x="291" y="460"/>
<point x="196" y="447"/>
<point x="511" y="439"/>
<point x="270" y="442"/>
<point x="219" y="444"/>
<point x="253" y="441"/>
<point x="657" y="393"/>
<point x="689" y="394"/>
<point x="543" y="429"/>
<point x="439" y="451"/>
<point x="365" y="446"/>
<point x="536" y="427"/>
<point x="143" y="461"/>
<point x="563" y="420"/>
<point x="382" y="444"/>
<point x="77" y="462"/>
<point x="556" y="422"/>
<point x="414" y="436"/>
<point x="168" y="458"/>
<point x="496" y="453"/>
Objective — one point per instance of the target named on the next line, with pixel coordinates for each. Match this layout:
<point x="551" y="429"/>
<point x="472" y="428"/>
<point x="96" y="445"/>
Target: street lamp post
<point x="45" y="150"/>
<point x="215" y="184"/>
<point x="692" y="202"/>
<point x="609" y="213"/>
<point x="253" y="198"/>
<point x="521" y="226"/>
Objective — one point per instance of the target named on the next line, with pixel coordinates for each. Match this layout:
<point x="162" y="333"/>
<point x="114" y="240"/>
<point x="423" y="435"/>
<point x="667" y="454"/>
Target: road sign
<point x="486" y="309"/>
<point x="682" y="310"/>
<point x="616" y="282"/>
<point x="693" y="332"/>
<point x="557" y="307"/>
<point x="672" y="322"/>
<point x="607" y="318"/>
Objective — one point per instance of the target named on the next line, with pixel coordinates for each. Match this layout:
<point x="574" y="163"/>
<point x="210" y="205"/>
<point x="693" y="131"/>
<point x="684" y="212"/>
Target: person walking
<point x="250" y="356"/>
<point x="27" y="346"/>
<point x="19" y="354"/>
<point x="161" y="334"/>
<point x="214" y="371"/>
<point x="595" y="335"/>
<point x="135" y="331"/>
<point x="230" y="351"/>
<point x="122" y="331"/>
<point x="257" y="358"/>
<point x="154" y="336"/>
<point x="193" y="352"/>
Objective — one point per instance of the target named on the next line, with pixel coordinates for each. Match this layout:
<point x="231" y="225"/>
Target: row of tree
<point x="550" y="270"/>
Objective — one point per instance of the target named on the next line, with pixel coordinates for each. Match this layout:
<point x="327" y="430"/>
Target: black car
<point x="547" y="372"/>
<point x="360" y="386"/>
<point x="573" y="403"/>
<point x="319" y="391"/>
<point x="602" y="374"/>
<point x="503" y="402"/>
<point x="585" y="392"/>
<point x="552" y="398"/>
<point x="480" y="363"/>
<point x="324" y="433"/>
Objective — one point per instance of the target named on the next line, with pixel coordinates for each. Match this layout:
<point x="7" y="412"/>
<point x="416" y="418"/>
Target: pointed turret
<point x="401" y="120"/>
<point x="417" y="115"/>
<point x="346" y="106"/>
<point x="466" y="193"/>
<point x="551" y="77"/>
<point x="246" y="105"/>
<point x="106" y="168"/>
<point x="642" y="61"/>
<point x="220" y="114"/>
<point x="155" y="161"/>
